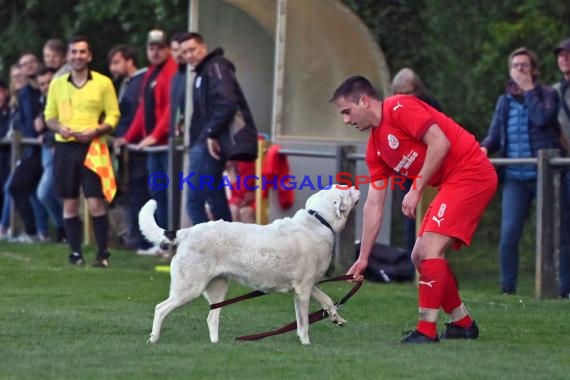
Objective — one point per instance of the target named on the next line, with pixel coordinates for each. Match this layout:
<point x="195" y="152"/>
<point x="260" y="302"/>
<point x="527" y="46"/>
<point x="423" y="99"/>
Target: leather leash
<point x="313" y="317"/>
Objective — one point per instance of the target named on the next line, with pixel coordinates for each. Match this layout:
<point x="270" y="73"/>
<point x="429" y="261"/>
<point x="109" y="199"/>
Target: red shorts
<point x="459" y="205"/>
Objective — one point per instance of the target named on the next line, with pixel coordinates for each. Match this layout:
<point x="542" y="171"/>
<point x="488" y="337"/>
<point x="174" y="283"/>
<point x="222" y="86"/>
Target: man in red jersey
<point x="409" y="138"/>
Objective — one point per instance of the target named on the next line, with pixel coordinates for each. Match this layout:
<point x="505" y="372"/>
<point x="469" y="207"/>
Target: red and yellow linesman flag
<point x="98" y="160"/>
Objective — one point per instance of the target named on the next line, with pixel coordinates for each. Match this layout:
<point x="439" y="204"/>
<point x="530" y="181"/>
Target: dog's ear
<point x="339" y="206"/>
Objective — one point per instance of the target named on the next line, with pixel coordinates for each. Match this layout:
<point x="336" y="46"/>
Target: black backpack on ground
<point x="387" y="264"/>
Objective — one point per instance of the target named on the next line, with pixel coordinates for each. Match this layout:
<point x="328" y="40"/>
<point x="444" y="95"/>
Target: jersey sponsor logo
<point x="393" y="141"/>
<point x="406" y="161"/>
<point x="438" y="221"/>
<point x="397" y="106"/>
<point x="428" y="283"/>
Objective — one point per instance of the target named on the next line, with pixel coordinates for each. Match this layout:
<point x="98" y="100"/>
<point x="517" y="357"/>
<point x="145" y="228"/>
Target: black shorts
<point x="70" y="173"/>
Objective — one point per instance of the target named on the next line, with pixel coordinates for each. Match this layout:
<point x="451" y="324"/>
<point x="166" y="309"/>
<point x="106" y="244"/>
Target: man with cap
<point x="152" y="119"/>
<point x="562" y="52"/>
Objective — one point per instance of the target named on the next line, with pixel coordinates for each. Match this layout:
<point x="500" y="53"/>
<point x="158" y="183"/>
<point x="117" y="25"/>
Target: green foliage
<point x="460" y="48"/>
<point x="27" y="25"/>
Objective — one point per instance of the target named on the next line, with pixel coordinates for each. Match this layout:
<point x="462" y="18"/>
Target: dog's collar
<point x="321" y="219"/>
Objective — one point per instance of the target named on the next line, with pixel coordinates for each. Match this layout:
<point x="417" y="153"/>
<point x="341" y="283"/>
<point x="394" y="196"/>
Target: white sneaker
<point x="152" y="251"/>
<point x="23" y="238"/>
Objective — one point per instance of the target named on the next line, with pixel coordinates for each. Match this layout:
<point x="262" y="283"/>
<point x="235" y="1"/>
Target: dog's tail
<point x="150" y="229"/>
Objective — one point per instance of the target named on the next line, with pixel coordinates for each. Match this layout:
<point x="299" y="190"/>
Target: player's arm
<point x="437" y="148"/>
<point x="371" y="224"/>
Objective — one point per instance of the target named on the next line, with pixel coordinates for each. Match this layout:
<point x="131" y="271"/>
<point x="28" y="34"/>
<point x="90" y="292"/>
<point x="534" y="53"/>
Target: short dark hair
<point x="354" y="88"/>
<point x="185" y="36"/>
<point x="43" y="70"/>
<point x="76" y="39"/>
<point x="56" y="45"/>
<point x="126" y="51"/>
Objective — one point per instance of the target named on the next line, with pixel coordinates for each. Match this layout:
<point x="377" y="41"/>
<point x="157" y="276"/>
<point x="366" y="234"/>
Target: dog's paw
<point x="152" y="340"/>
<point x="338" y="320"/>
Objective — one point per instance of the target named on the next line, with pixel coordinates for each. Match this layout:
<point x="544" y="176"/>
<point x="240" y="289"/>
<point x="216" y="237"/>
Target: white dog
<point x="290" y="254"/>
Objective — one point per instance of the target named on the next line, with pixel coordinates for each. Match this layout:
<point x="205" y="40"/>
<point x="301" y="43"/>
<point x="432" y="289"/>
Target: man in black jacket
<point x="217" y="100"/>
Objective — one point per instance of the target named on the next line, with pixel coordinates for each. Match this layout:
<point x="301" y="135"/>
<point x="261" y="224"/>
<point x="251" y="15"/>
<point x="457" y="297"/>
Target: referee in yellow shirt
<point x="81" y="106"/>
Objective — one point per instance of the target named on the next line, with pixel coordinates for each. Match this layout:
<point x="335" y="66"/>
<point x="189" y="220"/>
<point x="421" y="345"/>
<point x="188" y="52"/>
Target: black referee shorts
<point x="70" y="174"/>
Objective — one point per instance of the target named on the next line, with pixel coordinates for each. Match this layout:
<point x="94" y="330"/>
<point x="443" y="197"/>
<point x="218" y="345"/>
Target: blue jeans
<point x="6" y="205"/>
<point x="158" y="162"/>
<point x="517" y="199"/>
<point x="205" y="186"/>
<point x="45" y="191"/>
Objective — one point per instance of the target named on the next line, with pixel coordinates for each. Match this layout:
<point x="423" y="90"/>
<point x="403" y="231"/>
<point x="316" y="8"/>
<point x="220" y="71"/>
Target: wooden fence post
<point x="547" y="279"/>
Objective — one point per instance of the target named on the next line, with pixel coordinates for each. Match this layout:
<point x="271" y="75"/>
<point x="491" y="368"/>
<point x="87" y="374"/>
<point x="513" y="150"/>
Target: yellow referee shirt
<point x="82" y="108"/>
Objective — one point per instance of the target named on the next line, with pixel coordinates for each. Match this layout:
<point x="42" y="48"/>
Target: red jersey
<point x="396" y="146"/>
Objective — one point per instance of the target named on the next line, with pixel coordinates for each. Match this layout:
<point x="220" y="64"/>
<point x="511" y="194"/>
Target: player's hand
<point x="214" y="148"/>
<point x="522" y="79"/>
<point x="357" y="270"/>
<point x="484" y="150"/>
<point x="410" y="202"/>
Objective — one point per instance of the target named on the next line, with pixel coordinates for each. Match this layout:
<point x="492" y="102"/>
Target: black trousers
<point x="25" y="180"/>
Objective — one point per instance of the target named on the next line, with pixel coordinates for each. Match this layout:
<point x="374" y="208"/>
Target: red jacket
<point x="275" y="167"/>
<point x="137" y="129"/>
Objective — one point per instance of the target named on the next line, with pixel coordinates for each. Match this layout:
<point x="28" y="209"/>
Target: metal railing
<point x="548" y="203"/>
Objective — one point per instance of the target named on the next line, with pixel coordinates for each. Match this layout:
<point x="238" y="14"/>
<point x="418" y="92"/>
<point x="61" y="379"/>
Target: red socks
<point x="452" y="304"/>
<point x="437" y="288"/>
<point x="433" y="277"/>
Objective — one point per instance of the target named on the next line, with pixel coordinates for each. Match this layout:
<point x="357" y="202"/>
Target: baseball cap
<point x="564" y="45"/>
<point x="157" y="36"/>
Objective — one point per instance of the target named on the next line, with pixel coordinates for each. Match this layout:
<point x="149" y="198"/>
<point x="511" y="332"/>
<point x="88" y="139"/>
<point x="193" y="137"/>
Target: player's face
<point x="355" y="114"/>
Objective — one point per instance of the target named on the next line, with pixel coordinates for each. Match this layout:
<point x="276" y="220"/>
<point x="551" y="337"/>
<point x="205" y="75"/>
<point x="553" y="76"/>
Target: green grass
<point x="86" y="323"/>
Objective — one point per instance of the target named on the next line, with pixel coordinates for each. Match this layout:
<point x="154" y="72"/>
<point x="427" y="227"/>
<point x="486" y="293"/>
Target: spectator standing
<point x="562" y="52"/>
<point x="178" y="85"/>
<point x="74" y="107"/>
<point x="45" y="191"/>
<point x="217" y="100"/>
<point x="152" y="118"/>
<point x="407" y="82"/>
<point x="54" y="52"/>
<point x="17" y="81"/>
<point x="523" y="123"/>
<point x="128" y="78"/>
<point x="5" y="126"/>
<point x="25" y="178"/>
